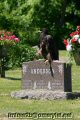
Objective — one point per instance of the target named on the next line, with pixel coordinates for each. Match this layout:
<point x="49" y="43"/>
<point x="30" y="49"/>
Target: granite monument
<point x="37" y="75"/>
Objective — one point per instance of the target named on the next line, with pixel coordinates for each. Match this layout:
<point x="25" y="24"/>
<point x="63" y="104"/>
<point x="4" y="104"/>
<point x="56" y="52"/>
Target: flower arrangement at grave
<point x="7" y="38"/>
<point x="72" y="45"/>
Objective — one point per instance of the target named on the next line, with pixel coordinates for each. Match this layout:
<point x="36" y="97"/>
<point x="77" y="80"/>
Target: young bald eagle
<point x="47" y="46"/>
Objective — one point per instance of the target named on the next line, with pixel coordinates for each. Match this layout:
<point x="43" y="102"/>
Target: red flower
<point x="65" y="42"/>
<point x="4" y="38"/>
<point x="73" y="40"/>
<point x="8" y="38"/>
<point x="72" y="34"/>
<point x="13" y="36"/>
<point x="16" y="39"/>
<point x="77" y="32"/>
<point x="9" y="33"/>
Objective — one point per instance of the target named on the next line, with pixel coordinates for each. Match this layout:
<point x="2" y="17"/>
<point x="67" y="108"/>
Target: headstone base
<point x="44" y="94"/>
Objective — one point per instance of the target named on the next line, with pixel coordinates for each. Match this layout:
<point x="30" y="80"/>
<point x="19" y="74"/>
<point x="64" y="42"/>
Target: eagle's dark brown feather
<point x="47" y="46"/>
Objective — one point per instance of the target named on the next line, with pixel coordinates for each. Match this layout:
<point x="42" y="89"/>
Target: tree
<point x="26" y="17"/>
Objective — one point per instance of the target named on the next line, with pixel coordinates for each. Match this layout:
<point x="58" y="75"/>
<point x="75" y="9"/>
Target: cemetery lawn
<point x="12" y="82"/>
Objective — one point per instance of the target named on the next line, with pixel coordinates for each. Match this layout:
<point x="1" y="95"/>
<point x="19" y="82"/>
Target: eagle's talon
<point x="46" y="62"/>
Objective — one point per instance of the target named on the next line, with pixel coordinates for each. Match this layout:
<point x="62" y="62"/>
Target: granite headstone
<point x="37" y="75"/>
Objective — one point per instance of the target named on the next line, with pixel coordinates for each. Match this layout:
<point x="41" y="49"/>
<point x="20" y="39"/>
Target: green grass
<point x="12" y="82"/>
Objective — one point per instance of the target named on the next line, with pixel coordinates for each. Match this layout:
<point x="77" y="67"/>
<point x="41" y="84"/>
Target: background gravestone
<point x="37" y="75"/>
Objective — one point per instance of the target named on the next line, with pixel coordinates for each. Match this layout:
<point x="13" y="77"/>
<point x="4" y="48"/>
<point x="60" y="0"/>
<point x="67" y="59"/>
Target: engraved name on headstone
<point x="37" y="75"/>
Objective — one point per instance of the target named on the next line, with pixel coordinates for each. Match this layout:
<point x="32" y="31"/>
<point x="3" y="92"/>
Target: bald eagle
<point x="47" y="46"/>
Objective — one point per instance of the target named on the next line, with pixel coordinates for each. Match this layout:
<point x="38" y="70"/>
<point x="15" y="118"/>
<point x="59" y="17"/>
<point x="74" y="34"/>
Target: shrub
<point x="19" y="54"/>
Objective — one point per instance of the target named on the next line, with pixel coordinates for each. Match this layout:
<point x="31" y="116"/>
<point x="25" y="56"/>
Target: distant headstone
<point x="38" y="75"/>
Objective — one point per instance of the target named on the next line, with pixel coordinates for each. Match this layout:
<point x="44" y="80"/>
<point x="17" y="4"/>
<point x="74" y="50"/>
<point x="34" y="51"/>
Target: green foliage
<point x="26" y="17"/>
<point x="18" y="54"/>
